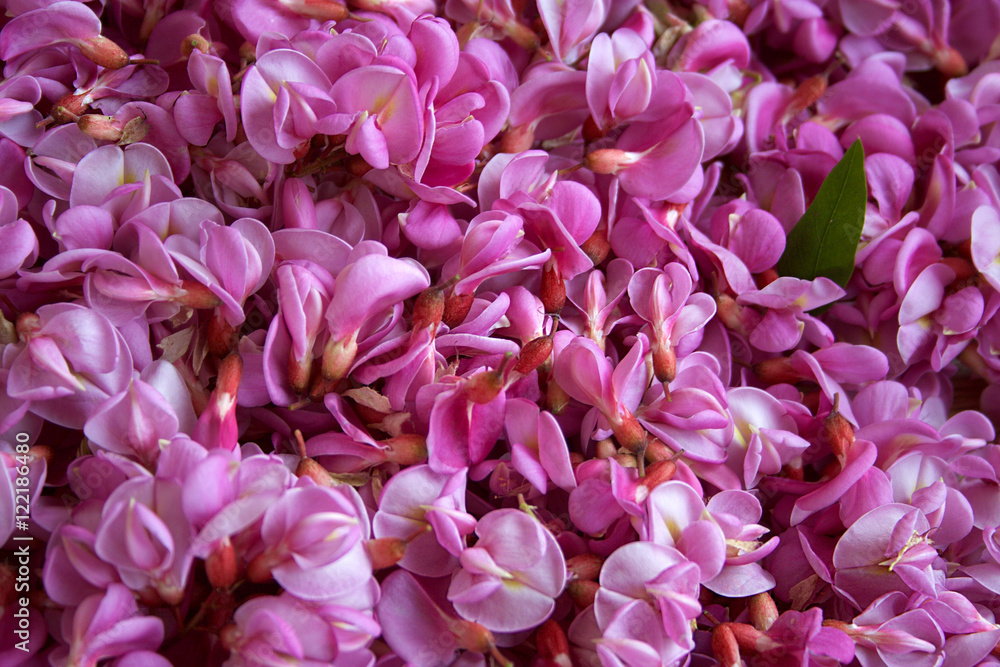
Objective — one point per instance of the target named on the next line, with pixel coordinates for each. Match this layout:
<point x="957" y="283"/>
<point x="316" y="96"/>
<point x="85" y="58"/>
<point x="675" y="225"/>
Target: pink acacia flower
<point x="426" y="510"/>
<point x="583" y="372"/>
<point x="662" y="581"/>
<point x="270" y="630"/>
<point x="70" y="360"/>
<point x="620" y="77"/>
<point x="509" y="579"/>
<point x="664" y="299"/>
<point x="281" y="98"/>
<point x="538" y="447"/>
<point x="145" y="535"/>
<point x="885" y="550"/>
<point x="106" y="626"/>
<point x="312" y="541"/>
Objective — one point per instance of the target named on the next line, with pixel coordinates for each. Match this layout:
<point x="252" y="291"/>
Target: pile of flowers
<point x="499" y="332"/>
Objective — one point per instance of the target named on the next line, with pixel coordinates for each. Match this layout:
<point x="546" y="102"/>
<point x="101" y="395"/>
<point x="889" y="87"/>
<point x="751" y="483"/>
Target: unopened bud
<point x="629" y="432"/>
<point x="765" y="278"/>
<point x="428" y="309"/>
<point x="321" y="10"/>
<point x="607" y="160"/>
<point x="195" y="295"/>
<point x="456" y="308"/>
<point x="338" y="357"/>
<point x="950" y="62"/>
<point x="838" y="431"/>
<point x="626" y="460"/>
<point x="664" y="363"/>
<point x="584" y="566"/>
<point x="763" y="612"/>
<point x="657" y="473"/>
<point x="534" y="353"/>
<point x="518" y="139"/>
<point x="582" y="592"/>
<point x="69" y="108"/>
<point x="657" y="451"/>
<point x="193" y="43"/>
<point x="556" y="398"/>
<point x="731" y="314"/>
<point x="100" y="127"/>
<point x="472" y="636"/>
<point x="606" y="448"/>
<point x="807" y="94"/>
<point x="777" y="371"/>
<point x="311" y="468"/>
<point x="407" y="449"/>
<point x="134" y="131"/>
<point x="724" y="646"/>
<point x="221" y="565"/>
<point x="385" y="551"/>
<point x="299" y="371"/>
<point x="221" y="335"/>
<point x="553" y="289"/>
<point x="552" y="644"/>
<point x="357" y="166"/>
<point x="597" y="246"/>
<point x="484" y="387"/>
<point x="230" y="375"/>
<point x="104" y="52"/>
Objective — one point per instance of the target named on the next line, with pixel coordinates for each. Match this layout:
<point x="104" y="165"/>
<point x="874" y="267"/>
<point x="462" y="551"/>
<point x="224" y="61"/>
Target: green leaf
<point x="825" y="239"/>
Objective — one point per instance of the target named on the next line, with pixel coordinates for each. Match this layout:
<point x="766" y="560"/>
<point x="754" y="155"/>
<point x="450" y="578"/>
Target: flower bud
<point x="518" y="139"/>
<point x="725" y="647"/>
<point x="191" y="43"/>
<point x="607" y="160"/>
<point x="221" y="335"/>
<point x="27" y="325"/>
<point x="221" y="565"/>
<point x="100" y="127"/>
<point x="584" y="566"/>
<point x="195" y="295"/>
<point x="338" y="357"/>
<point x="838" y="431"/>
<point x="311" y="468"/>
<point x="299" y="371"/>
<point x="664" y="363"/>
<point x="483" y="387"/>
<point x="556" y="398"/>
<point x="606" y="448"/>
<point x="763" y="612"/>
<point x="552" y="644"/>
<point x="597" y="246"/>
<point x="629" y="432"/>
<point x="103" y="52"/>
<point x="385" y="551"/>
<point x="69" y="108"/>
<point x="428" y="309"/>
<point x="534" y="353"/>
<point x="407" y="449"/>
<point x="657" y="473"/>
<point x="456" y="308"/>
<point x="134" y="131"/>
<point x="582" y="592"/>
<point x="553" y="289"/>
<point x="731" y="314"/>
<point x="950" y="62"/>
<point x="776" y="371"/>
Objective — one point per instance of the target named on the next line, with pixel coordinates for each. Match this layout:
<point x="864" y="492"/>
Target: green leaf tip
<point x="825" y="239"/>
